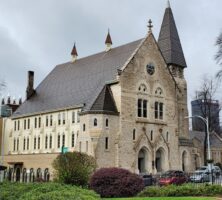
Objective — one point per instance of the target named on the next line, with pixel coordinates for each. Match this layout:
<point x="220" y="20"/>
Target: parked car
<point x="148" y="179"/>
<point x="200" y="176"/>
<point x="173" y="177"/>
<point x="215" y="170"/>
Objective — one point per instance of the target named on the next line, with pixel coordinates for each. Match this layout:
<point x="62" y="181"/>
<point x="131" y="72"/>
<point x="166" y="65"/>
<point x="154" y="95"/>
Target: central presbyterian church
<point x="126" y="106"/>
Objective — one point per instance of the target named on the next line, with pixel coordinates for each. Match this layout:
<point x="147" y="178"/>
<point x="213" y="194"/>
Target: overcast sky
<point x="37" y="35"/>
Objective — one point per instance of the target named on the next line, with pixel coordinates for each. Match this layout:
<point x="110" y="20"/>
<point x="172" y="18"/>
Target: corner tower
<point x="170" y="46"/>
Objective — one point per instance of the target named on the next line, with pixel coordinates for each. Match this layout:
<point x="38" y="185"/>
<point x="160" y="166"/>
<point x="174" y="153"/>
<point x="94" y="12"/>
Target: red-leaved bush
<point x="116" y="182"/>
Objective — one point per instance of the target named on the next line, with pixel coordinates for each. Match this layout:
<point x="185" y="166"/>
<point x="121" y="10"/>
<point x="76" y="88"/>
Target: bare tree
<point x="207" y="107"/>
<point x="218" y="56"/>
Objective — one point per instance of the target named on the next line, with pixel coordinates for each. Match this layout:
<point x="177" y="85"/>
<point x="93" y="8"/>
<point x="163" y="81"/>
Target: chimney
<point x="30" y="90"/>
<point x="108" y="42"/>
<point x="74" y="53"/>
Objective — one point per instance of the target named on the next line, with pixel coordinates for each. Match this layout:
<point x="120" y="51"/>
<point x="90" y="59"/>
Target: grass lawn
<point x="165" y="198"/>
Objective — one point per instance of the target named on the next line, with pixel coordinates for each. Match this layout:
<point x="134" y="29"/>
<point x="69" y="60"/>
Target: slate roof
<point x="76" y="84"/>
<point x="169" y="41"/>
<point x="215" y="140"/>
<point x="105" y="101"/>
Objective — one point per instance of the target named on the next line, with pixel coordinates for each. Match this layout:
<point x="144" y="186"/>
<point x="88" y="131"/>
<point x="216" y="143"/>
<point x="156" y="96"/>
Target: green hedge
<point x="183" y="190"/>
<point x="44" y="191"/>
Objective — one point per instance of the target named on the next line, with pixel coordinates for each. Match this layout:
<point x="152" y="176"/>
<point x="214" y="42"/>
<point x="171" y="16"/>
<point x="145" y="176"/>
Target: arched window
<point x="107" y="122"/>
<point x="51" y="120"/>
<point x="95" y="122"/>
<point x="134" y="134"/>
<point x="151" y="135"/>
<point x="142" y="88"/>
<point x="159" y="91"/>
<point x="84" y="127"/>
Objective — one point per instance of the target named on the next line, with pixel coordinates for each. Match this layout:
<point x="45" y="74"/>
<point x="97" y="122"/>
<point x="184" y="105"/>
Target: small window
<point x="167" y="136"/>
<point x="24" y="142"/>
<point x="47" y="121"/>
<point x="63" y="140"/>
<point x="34" y="142"/>
<point x="151" y="135"/>
<point x="73" y="117"/>
<point x="59" y="119"/>
<point x="134" y="134"/>
<point x="28" y="143"/>
<point x="14" y="125"/>
<point x="58" y="141"/>
<point x="39" y="122"/>
<point x="144" y="108"/>
<point x="39" y="141"/>
<point x="63" y="118"/>
<point x="139" y="104"/>
<point x="107" y="122"/>
<point x="106" y="143"/>
<point x="50" y="141"/>
<point x="14" y="144"/>
<point x="17" y="144"/>
<point x="46" y="142"/>
<point x="24" y="124"/>
<point x="95" y="122"/>
<point x="84" y="128"/>
<point x="18" y="125"/>
<point x="73" y="139"/>
<point x="35" y="123"/>
<point x="51" y="120"/>
<point x="28" y="123"/>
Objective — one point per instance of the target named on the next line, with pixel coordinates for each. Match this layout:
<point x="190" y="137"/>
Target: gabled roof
<point x="105" y="102"/>
<point x="76" y="84"/>
<point x="169" y="41"/>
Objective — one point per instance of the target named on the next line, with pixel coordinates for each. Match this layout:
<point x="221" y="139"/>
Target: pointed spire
<point x="74" y="53"/>
<point x="108" y="41"/>
<point x="20" y="100"/>
<point x="3" y="101"/>
<point x="169" y="41"/>
<point x="168" y="4"/>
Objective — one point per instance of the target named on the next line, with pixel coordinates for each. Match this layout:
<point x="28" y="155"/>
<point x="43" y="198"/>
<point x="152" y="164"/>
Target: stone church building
<point x="126" y="106"/>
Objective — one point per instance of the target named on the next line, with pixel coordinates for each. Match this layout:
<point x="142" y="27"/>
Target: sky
<point x="37" y="35"/>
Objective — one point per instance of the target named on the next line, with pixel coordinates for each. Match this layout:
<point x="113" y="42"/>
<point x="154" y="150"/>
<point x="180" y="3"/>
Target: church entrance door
<point x="160" y="160"/>
<point x="142" y="160"/>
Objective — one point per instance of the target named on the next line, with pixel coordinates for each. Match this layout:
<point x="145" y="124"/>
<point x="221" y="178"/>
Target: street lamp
<point x="206" y="121"/>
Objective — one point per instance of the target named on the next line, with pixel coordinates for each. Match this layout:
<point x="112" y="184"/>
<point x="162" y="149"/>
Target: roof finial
<point x="74" y="53"/>
<point x="108" y="41"/>
<point x="168" y="3"/>
<point x="150" y="26"/>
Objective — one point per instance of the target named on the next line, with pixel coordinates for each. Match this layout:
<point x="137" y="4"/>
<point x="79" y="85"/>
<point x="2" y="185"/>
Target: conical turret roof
<point x="169" y="41"/>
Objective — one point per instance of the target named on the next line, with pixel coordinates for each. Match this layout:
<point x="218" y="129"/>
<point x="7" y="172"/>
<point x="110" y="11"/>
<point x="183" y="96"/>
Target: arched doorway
<point x="142" y="160"/>
<point x="160" y="159"/>
<point x="197" y="161"/>
<point x="184" y="161"/>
